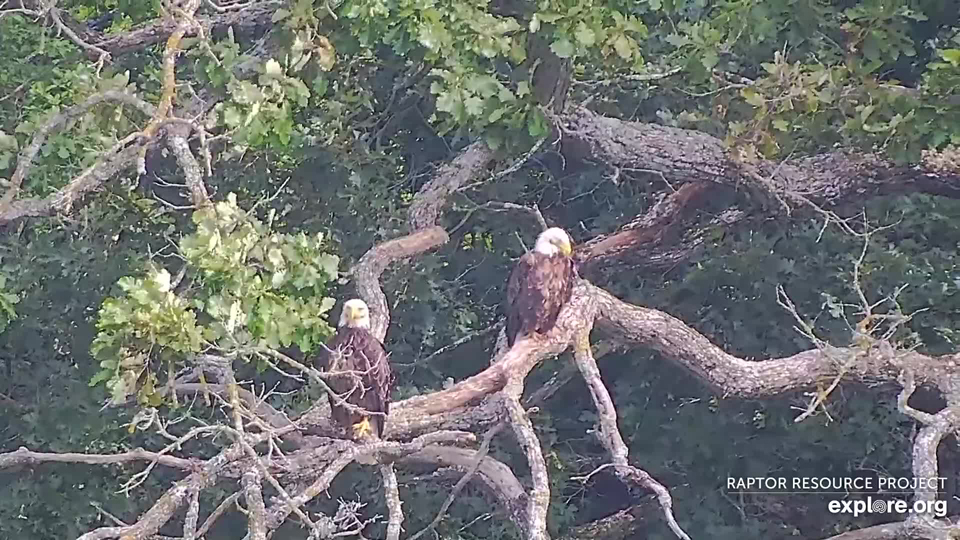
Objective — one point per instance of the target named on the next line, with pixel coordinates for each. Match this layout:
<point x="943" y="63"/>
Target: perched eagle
<point x="540" y="284"/>
<point x="364" y="378"/>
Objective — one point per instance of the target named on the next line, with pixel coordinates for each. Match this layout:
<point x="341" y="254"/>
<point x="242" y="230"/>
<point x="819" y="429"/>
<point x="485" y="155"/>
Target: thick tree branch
<point x="430" y="199"/>
<point x="467" y="476"/>
<point x="193" y="173"/>
<point x="682" y="157"/>
<point x="687" y="156"/>
<point x="424" y="233"/>
<point x="253" y="14"/>
<point x="887" y="531"/>
<point x="366" y="273"/>
<point x="161" y="512"/>
<point x="256" y="510"/>
<point x="495" y="475"/>
<point x="122" y="156"/>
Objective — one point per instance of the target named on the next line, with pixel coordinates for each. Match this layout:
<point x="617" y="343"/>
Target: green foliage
<point x="471" y="49"/>
<point x="62" y="270"/>
<point x="7" y="303"/>
<point x="249" y="287"/>
<point x="260" y="113"/>
<point x="354" y="112"/>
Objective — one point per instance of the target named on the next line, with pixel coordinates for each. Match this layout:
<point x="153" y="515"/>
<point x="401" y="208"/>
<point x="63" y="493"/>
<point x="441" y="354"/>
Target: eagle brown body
<point x="539" y="286"/>
<point x="354" y="349"/>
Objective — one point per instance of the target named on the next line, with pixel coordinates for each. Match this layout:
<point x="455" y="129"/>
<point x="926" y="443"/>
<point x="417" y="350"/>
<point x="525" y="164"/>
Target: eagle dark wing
<point x="537" y="289"/>
<point x="357" y="350"/>
<point x="518" y="304"/>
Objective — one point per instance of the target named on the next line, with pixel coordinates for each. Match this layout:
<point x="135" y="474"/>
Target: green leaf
<point x="677" y="40"/>
<point x="537" y="124"/>
<point x="272" y="68"/>
<point x="473" y="105"/>
<point x="8" y="142"/>
<point x="585" y="36"/>
<point x="709" y="59"/>
<point x="329" y="264"/>
<point x="753" y="97"/>
<point x="951" y="55"/>
<point x="562" y="48"/>
<point x="623" y="47"/>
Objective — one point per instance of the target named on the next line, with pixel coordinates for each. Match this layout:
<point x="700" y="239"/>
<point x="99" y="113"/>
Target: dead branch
<point x="538" y="500"/>
<point x="609" y="433"/>
<point x="161" y="511"/>
<point x="25" y="457"/>
<point x="496" y="476"/>
<point x="193" y="173"/>
<point x="251" y="15"/>
<point x="256" y="510"/>
<point x="193" y="516"/>
<point x="887" y="531"/>
<point x="391" y="492"/>
<point x="106" y="167"/>
<point x="52" y="126"/>
<point x="680" y="157"/>
<point x="688" y="156"/>
<point x="57" y="17"/>
<point x="383" y="451"/>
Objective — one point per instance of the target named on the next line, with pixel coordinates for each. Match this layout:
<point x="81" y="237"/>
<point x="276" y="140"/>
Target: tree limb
<point x="391" y="491"/>
<point x="54" y="125"/>
<point x="609" y="433"/>
<point x="538" y="500"/>
<point x="23" y="456"/>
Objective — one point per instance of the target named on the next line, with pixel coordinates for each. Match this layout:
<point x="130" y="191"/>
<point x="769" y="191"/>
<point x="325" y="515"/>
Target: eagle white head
<point x="355" y="314"/>
<point x="553" y="241"/>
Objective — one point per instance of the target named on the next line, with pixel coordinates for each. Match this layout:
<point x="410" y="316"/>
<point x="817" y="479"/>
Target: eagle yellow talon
<point x="363" y="429"/>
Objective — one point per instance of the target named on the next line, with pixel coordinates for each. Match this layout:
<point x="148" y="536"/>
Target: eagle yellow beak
<point x="566" y="248"/>
<point x="354" y="314"/>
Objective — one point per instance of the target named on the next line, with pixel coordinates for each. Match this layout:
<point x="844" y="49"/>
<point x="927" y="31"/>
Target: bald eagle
<point x="360" y="373"/>
<point x="539" y="285"/>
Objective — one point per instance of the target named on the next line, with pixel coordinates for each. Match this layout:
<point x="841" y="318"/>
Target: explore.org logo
<point x="882" y="506"/>
<point x="864" y="492"/>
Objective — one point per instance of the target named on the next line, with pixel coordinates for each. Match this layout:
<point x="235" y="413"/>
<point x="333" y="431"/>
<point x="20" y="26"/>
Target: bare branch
<point x="161" y="511"/>
<point x="22" y="456"/>
<point x="193" y="516"/>
<point x="55" y="124"/>
<point x="256" y="510"/>
<point x="391" y="492"/>
<point x="382" y="450"/>
<point x="153" y="32"/>
<point x="538" y="501"/>
<point x="429" y="201"/>
<point x="887" y="531"/>
<point x="193" y="173"/>
<point x="609" y="433"/>
<point x="55" y="16"/>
